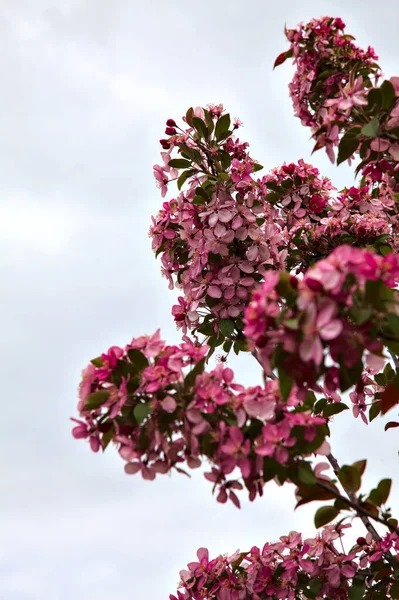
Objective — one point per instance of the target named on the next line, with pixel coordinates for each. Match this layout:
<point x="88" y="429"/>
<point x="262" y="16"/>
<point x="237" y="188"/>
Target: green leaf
<point x="384" y="249"/>
<point x="384" y="488"/>
<point x="347" y="146"/>
<point x="272" y="197"/>
<point x="141" y="412"/>
<point x="137" y="358"/>
<point x="340" y="504"/>
<point x="380" y="379"/>
<point x="393" y="346"/>
<point x="394" y="591"/>
<point x="287" y="184"/>
<point x="179" y="163"/>
<point x="225" y="159"/>
<point x="107" y="437"/>
<point x="222" y="127"/>
<point x="257" y="167"/>
<point x="97" y="362"/>
<point x="315" y="585"/>
<point x="240" y="346"/>
<point x="310" y="400"/>
<point x="190" y="378"/>
<point x="306" y="474"/>
<point x="349" y="376"/>
<point x="334" y="409"/>
<point x="372" y="128"/>
<point x="350" y="478"/>
<point x="389" y="372"/>
<point x="192" y="153"/>
<point x="200" y="127"/>
<point x="360" y="465"/>
<point x="189" y="116"/>
<point x="226" y="327"/>
<point x="375" y="497"/>
<point x="361" y="315"/>
<point x="227" y="346"/>
<point x="374" y="98"/>
<point x="356" y="591"/>
<point x="184" y="176"/>
<point x="201" y="192"/>
<point x="206" y="329"/>
<point x="381" y="238"/>
<point x="96" y="399"/>
<point x="208" y="120"/>
<point x="319" y="406"/>
<point x="324" y="515"/>
<point x="285" y="383"/>
<point x="391" y="321"/>
<point x="375" y="410"/>
<point x="388" y="95"/>
<point x="272" y="185"/>
<point x="198" y="200"/>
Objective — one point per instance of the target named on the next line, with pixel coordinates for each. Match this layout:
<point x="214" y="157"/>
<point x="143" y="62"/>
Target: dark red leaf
<point x="280" y="59"/>
<point x="389" y="397"/>
<point x="390" y="425"/>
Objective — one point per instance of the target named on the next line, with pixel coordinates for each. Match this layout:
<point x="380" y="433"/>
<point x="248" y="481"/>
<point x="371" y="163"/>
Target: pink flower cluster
<point x="332" y="77"/>
<point x="299" y="192"/>
<point x="218" y="237"/>
<point x="364" y="217"/>
<point x="335" y="93"/>
<point x="339" y="306"/>
<point x="288" y="569"/>
<point x="139" y="398"/>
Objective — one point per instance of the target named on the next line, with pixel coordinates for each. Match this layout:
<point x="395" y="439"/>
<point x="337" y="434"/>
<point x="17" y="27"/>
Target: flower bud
<point x="361" y="541"/>
<point x="165" y="144"/>
<point x="171" y="123"/>
<point x="170" y="131"/>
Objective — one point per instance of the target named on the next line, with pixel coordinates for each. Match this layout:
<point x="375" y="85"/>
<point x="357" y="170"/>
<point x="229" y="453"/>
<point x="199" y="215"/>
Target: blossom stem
<point x="256" y="357"/>
<point x="365" y="520"/>
<point x="359" y="509"/>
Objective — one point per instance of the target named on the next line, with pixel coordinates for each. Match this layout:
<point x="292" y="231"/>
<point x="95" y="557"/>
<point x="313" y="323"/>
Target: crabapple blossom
<point x="303" y="276"/>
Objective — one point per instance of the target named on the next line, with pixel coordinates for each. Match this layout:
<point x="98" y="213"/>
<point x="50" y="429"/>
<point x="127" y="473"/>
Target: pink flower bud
<point x="171" y="123"/>
<point x="170" y="131"/>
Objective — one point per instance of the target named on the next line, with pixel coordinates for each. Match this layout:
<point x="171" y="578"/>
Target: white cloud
<point x="29" y="226"/>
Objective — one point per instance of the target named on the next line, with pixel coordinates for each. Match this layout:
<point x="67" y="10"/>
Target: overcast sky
<point x="86" y="88"/>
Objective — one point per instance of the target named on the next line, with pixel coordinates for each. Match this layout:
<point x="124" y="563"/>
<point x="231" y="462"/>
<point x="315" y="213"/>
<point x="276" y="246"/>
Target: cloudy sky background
<point x="86" y="89"/>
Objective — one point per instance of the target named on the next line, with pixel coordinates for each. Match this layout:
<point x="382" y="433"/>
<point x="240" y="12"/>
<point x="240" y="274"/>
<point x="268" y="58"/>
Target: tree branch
<point x="365" y="520"/>
<point x="359" y="509"/>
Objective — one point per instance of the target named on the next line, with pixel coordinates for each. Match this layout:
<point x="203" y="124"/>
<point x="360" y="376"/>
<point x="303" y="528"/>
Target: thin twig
<point x="359" y="509"/>
<point x="365" y="520"/>
<point x="256" y="357"/>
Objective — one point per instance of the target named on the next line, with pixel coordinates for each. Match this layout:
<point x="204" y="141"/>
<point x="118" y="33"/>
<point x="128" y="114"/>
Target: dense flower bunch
<point x="342" y="306"/>
<point x="299" y="192"/>
<point x="293" y="568"/>
<point x="313" y="222"/>
<point x="219" y="236"/>
<point x="331" y="79"/>
<point x="139" y="398"/>
<point x="335" y="92"/>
